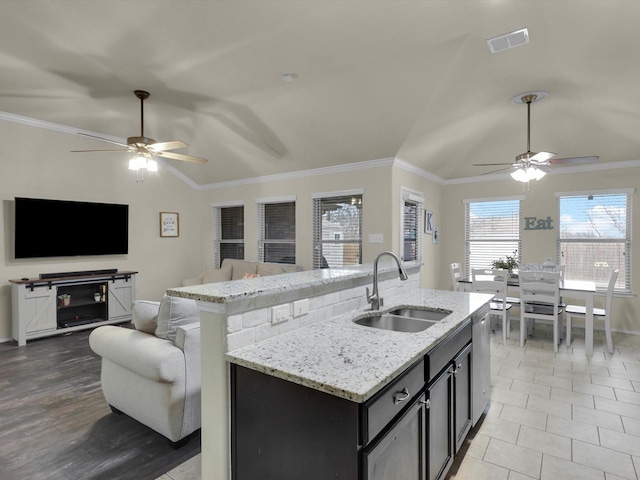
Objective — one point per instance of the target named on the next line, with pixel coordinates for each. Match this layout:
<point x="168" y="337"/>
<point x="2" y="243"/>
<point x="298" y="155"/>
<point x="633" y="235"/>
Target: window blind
<point x="337" y="231"/>
<point x="411" y="229"/>
<point x="228" y="234"/>
<point x="492" y="231"/>
<point x="594" y="237"/>
<point x="277" y="232"/>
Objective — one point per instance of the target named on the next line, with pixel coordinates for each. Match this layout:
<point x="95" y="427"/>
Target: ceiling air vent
<point x="508" y="40"/>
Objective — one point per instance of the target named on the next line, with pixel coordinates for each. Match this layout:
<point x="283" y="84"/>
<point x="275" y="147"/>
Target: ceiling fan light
<point x="138" y="163"/>
<point x="535" y="173"/>
<point x="520" y="175"/>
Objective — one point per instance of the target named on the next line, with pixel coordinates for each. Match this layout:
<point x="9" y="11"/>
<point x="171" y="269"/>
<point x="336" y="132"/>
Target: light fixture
<point x="140" y="163"/>
<point x="527" y="174"/>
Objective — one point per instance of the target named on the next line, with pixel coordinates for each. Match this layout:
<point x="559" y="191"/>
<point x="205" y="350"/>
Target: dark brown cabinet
<point x="409" y="430"/>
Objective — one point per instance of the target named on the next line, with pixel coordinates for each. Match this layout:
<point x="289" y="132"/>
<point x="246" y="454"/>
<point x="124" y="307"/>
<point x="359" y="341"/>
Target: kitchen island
<point x="341" y="400"/>
<point x="243" y="315"/>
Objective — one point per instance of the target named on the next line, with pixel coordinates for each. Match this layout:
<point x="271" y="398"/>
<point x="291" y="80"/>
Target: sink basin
<point x="395" y="323"/>
<point x="422" y="314"/>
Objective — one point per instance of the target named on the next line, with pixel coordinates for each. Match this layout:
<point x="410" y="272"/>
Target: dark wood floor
<point x="56" y="424"/>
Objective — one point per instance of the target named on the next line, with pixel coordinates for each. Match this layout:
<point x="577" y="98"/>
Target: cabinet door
<point x="400" y="453"/>
<point x="121" y="298"/>
<point x="440" y="425"/>
<point x="462" y="394"/>
<point x="481" y="366"/>
<point x="39" y="309"/>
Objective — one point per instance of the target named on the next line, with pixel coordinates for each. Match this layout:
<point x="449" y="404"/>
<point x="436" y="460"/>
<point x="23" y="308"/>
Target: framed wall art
<point x="169" y="224"/>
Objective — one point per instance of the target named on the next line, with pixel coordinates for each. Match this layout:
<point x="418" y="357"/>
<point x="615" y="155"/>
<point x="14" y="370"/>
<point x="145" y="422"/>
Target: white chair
<point x="598" y="313"/>
<point x="494" y="281"/>
<point x="540" y="300"/>
<point x="456" y="276"/>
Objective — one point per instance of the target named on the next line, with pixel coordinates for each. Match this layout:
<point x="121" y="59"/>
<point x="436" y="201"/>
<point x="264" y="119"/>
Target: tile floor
<point x="552" y="416"/>
<point x="558" y="415"/>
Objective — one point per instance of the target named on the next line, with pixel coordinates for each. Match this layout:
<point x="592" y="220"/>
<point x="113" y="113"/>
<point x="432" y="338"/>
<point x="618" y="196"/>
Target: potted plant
<point x="64" y="299"/>
<point x="509" y="263"/>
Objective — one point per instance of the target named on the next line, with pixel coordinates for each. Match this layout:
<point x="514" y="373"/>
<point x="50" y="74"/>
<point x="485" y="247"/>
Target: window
<point x="228" y="233"/>
<point x="337" y="230"/>
<point x="492" y="231"/>
<point x="594" y="236"/>
<point x="411" y="226"/>
<point x="277" y="231"/>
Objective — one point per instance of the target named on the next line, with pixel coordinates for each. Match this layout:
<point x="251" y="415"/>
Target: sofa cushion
<point x="240" y="267"/>
<point x="145" y="316"/>
<point x="265" y="269"/>
<point x="175" y="312"/>
<point x="217" y="275"/>
<point x="188" y="282"/>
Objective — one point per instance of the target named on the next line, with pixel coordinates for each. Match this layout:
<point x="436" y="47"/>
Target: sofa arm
<point x="148" y="356"/>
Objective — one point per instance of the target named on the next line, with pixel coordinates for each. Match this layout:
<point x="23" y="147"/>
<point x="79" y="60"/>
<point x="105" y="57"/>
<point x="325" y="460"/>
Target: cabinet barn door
<point x="121" y="297"/>
<point x="40" y="309"/>
<point x="400" y="453"/>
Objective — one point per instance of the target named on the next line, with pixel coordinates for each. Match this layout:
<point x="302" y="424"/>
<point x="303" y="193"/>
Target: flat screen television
<point x="62" y="228"/>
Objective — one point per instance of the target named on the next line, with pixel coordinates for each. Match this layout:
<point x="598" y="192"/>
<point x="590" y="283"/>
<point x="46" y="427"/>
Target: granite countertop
<point x="342" y="358"/>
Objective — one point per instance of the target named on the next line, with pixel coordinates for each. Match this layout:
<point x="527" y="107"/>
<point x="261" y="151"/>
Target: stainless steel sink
<point x="422" y="314"/>
<point x="396" y="323"/>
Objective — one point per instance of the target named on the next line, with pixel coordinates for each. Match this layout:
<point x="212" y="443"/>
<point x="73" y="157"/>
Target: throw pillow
<point x="217" y="275"/>
<point x="175" y="312"/>
<point x="145" y="316"/>
<point x="250" y="275"/>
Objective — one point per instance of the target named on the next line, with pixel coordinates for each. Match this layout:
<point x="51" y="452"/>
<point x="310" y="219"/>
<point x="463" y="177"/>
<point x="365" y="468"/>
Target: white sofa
<point x="152" y="373"/>
<point x="232" y="269"/>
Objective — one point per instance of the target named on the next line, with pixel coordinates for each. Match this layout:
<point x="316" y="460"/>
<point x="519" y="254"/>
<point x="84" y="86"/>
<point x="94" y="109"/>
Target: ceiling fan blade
<point x="542" y="157"/>
<point x="120" y="151"/>
<point x="162" y="146"/>
<point x="575" y="160"/>
<point x="493" y="164"/>
<point x="180" y="156"/>
<point x="499" y="170"/>
<point x="103" y="139"/>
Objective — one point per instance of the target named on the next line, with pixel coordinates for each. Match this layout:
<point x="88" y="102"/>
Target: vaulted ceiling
<point x="413" y="80"/>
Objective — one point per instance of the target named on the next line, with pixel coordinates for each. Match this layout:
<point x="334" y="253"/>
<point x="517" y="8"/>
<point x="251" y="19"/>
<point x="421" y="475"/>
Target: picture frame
<point x="169" y="224"/>
<point x="428" y="222"/>
<point x="436" y="235"/>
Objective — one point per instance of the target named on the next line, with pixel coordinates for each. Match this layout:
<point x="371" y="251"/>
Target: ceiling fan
<point x="534" y="165"/>
<point x="146" y="148"/>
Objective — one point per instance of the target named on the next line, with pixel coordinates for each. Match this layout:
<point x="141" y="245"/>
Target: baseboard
<point x="3" y="340"/>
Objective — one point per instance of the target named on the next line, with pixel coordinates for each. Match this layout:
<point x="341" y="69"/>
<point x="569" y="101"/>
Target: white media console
<point x="47" y="306"/>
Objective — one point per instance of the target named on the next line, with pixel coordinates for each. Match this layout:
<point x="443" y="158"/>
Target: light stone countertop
<point x="354" y="362"/>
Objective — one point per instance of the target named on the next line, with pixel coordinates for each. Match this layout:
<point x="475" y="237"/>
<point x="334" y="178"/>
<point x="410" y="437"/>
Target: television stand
<point x="42" y="307"/>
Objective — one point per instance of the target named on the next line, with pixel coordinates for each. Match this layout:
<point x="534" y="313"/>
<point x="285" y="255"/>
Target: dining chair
<point x="456" y="276"/>
<point x="494" y="281"/>
<point x="598" y="313"/>
<point x="540" y="300"/>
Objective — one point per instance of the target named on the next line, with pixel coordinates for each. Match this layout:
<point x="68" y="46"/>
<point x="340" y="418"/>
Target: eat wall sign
<point x="535" y="223"/>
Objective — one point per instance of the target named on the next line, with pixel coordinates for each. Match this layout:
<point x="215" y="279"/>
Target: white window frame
<point x="414" y="197"/>
<point x="318" y="242"/>
<point x="623" y="283"/>
<point x="513" y="243"/>
<point x="261" y="230"/>
<point x="217" y="228"/>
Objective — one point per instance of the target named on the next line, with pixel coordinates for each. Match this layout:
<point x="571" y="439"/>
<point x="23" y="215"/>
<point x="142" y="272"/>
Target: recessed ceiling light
<point x="508" y="40"/>
<point x="289" y="77"/>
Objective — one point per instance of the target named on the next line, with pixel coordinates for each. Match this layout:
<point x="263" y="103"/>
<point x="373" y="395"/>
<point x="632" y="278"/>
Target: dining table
<point x="578" y="289"/>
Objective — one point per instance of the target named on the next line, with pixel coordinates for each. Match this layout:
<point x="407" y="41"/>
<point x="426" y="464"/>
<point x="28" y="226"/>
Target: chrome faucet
<point x="374" y="298"/>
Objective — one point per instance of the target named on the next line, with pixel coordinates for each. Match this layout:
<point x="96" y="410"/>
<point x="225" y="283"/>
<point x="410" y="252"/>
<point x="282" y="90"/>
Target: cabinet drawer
<point x="440" y="356"/>
<point x="392" y="400"/>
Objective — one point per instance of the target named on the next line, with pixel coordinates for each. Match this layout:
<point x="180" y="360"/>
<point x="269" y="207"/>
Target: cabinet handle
<point x="401" y="396"/>
<point x="455" y="371"/>
<point x="426" y="403"/>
